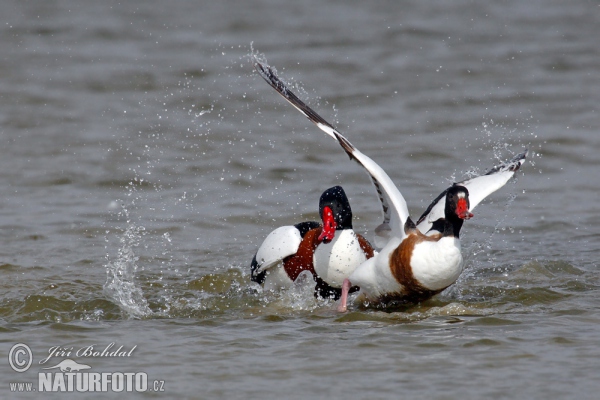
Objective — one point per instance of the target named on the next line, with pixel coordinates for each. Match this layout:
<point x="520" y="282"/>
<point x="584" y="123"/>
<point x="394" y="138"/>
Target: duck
<point x="416" y="260"/>
<point x="329" y="250"/>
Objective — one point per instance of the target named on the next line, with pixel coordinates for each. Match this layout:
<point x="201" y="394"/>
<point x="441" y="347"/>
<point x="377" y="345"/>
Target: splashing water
<point x="300" y="296"/>
<point x="120" y="286"/>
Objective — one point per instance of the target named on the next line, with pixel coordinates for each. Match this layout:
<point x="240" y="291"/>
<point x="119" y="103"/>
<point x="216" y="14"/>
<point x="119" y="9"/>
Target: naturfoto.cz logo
<point x="69" y="375"/>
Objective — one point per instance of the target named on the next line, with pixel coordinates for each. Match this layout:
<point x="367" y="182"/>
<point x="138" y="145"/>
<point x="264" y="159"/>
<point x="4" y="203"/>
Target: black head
<point x="335" y="212"/>
<point x="457" y="203"/>
<point x="456" y="210"/>
<point x="335" y="198"/>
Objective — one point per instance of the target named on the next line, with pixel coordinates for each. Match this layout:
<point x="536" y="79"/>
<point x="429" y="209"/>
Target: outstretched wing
<point x="395" y="211"/>
<point x="479" y="188"/>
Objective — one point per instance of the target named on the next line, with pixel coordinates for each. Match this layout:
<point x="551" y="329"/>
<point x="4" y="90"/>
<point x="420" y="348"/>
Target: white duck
<point x="416" y="261"/>
<point x="330" y="251"/>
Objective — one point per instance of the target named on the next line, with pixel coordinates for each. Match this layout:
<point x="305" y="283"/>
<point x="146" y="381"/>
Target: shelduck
<point x="330" y="250"/>
<point x="419" y="260"/>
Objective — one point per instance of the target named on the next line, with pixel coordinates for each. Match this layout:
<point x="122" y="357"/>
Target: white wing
<point x="395" y="211"/>
<point x="479" y="188"/>
<point x="279" y="244"/>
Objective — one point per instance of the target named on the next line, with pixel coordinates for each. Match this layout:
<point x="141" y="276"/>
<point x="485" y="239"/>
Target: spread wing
<point x="479" y="188"/>
<point x="395" y="211"/>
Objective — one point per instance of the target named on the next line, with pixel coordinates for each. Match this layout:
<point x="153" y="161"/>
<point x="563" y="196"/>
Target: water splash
<point x="300" y="297"/>
<point x="120" y="286"/>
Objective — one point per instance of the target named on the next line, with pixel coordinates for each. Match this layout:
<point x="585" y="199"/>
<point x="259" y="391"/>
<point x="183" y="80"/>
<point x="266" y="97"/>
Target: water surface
<point x="143" y="162"/>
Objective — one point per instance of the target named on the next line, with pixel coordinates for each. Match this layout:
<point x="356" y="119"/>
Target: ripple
<point x="483" y="343"/>
<point x="492" y="321"/>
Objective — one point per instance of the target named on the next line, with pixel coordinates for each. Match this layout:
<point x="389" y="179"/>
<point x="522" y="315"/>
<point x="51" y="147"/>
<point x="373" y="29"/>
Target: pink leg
<point x="344" y="299"/>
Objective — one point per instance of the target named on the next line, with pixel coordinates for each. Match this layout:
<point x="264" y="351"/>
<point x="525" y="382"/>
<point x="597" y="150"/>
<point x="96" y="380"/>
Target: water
<point x="143" y="161"/>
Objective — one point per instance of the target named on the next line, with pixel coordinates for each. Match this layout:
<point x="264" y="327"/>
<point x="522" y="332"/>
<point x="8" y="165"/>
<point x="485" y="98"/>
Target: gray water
<point x="143" y="161"/>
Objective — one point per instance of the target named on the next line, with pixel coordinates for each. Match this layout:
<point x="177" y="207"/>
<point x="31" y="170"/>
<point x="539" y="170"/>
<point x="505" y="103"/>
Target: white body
<point x="277" y="279"/>
<point x="374" y="276"/>
<point x="333" y="261"/>
<point x="336" y="260"/>
<point x="279" y="244"/>
<point x="435" y="265"/>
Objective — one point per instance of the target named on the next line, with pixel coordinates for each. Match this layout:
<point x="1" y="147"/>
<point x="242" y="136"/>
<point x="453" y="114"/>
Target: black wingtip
<point x="264" y="70"/>
<point x="269" y="75"/>
<point x="259" y="67"/>
<point x="518" y="160"/>
<point x="512" y="165"/>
